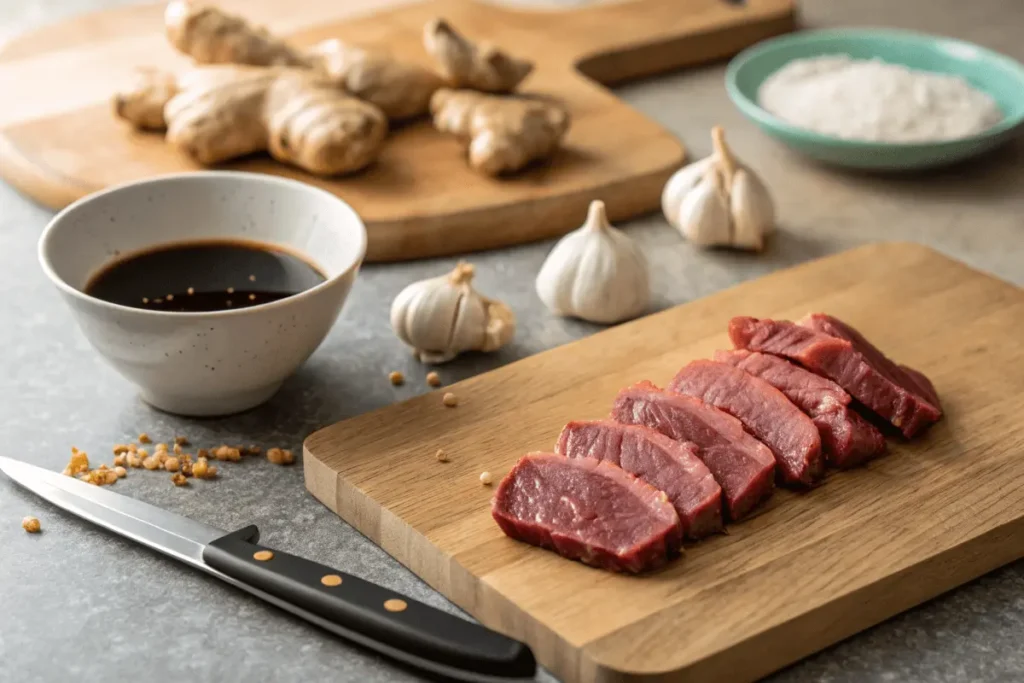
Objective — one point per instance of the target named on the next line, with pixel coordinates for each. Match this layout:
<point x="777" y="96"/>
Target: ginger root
<point x="465" y="65"/>
<point x="401" y="89"/>
<point x="143" y="103"/>
<point x="316" y="127"/>
<point x="504" y="134"/>
<point x="212" y="36"/>
<point x="224" y="112"/>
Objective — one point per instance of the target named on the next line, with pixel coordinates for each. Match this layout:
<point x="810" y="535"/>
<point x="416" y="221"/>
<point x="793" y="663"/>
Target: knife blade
<point x="346" y="605"/>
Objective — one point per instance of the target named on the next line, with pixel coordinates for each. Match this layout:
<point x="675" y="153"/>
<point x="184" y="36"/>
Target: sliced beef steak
<point x="764" y="411"/>
<point x="900" y="402"/>
<point x="742" y="465"/>
<point x="587" y="510"/>
<point x="664" y="463"/>
<point x="847" y="438"/>
<point x="909" y="378"/>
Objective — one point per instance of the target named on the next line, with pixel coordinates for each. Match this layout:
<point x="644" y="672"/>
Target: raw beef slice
<point x="764" y="411"/>
<point x="901" y="399"/>
<point x="847" y="438"/>
<point x="587" y="510"/>
<point x="742" y="465"/>
<point x="666" y="464"/>
<point x="900" y="374"/>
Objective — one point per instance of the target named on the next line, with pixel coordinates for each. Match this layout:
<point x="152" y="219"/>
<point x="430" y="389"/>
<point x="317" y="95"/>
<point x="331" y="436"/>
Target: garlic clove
<point x="718" y="201"/>
<point x="443" y="316"/>
<point x="596" y="273"/>
<point x="680" y="185"/>
<point x="501" y="326"/>
<point x="704" y="214"/>
<point x="753" y="213"/>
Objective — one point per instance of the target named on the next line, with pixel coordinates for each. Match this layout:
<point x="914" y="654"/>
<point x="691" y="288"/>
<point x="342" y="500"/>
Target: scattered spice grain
<point x="280" y="456"/>
<point x="486" y="478"/>
<point x="144" y="438"/>
<point x="179" y="479"/>
<point x="433" y="379"/>
<point x="441" y="455"/>
<point x="450" y="400"/>
<point x="396" y="378"/>
<point x="31" y="525"/>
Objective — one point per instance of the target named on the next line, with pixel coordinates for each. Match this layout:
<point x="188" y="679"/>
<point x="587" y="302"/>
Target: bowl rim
<point x="242" y="176"/>
<point x="768" y="120"/>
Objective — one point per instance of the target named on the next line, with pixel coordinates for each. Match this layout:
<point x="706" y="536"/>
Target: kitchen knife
<point x="353" y="608"/>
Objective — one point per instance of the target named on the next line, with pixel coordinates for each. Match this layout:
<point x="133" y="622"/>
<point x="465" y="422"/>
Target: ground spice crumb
<point x="441" y="455"/>
<point x="160" y="447"/>
<point x="227" y="453"/>
<point x="144" y="438"/>
<point x="280" y="456"/>
<point x="433" y="379"/>
<point x="79" y="462"/>
<point x="202" y="453"/>
<point x="110" y="477"/>
<point x="120" y="472"/>
<point x="121" y="448"/>
<point x="161" y="457"/>
<point x="145" y="299"/>
<point x="450" y="400"/>
<point x="172" y="464"/>
<point x="134" y="460"/>
<point x="102" y="467"/>
<point x="486" y="478"/>
<point x="181" y="440"/>
<point x="177" y="449"/>
<point x="143" y="453"/>
<point x="179" y="479"/>
<point x="252" y="449"/>
<point x="120" y="460"/>
<point x="31" y="525"/>
<point x="252" y="297"/>
<point x="396" y="378"/>
<point x="151" y="463"/>
<point x="187" y="457"/>
<point x="186" y="469"/>
<point x="252" y="278"/>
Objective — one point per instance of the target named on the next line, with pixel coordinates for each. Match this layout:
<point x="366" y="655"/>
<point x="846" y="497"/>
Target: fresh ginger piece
<point x="401" y="89"/>
<point x="317" y="127"/>
<point x="464" y="65"/>
<point x="143" y="103"/>
<point x="211" y="36"/>
<point x="218" y="113"/>
<point x="504" y="134"/>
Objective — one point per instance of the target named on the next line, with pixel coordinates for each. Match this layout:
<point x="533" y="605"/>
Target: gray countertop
<point x="80" y="604"/>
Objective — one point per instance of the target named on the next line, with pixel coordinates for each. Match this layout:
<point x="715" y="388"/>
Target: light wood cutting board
<point x="807" y="571"/>
<point x="59" y="141"/>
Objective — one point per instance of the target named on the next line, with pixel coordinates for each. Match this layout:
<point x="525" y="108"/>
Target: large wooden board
<point x="808" y="570"/>
<point x="59" y="142"/>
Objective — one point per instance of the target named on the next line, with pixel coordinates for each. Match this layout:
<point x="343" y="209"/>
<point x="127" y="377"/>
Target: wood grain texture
<point x="807" y="571"/>
<point x="59" y="141"/>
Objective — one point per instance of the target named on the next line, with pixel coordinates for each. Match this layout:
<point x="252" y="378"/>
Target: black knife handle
<point x="370" y="610"/>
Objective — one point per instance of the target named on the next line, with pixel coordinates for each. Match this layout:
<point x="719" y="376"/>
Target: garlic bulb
<point x="596" y="273"/>
<point x="443" y="316"/>
<point x="719" y="202"/>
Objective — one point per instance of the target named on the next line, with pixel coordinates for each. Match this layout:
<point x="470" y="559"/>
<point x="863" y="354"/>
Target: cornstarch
<point x="861" y="99"/>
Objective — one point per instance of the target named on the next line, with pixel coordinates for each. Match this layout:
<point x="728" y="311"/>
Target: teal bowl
<point x="999" y="76"/>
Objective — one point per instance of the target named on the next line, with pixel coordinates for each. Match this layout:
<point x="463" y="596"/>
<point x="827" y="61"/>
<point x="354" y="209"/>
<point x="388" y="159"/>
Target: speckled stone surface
<point x="79" y="604"/>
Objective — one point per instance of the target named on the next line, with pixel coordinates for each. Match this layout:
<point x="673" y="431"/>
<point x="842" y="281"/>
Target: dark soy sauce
<point x="204" y="276"/>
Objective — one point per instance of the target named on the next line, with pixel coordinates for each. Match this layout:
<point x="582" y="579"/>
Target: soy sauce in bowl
<point x="201" y="276"/>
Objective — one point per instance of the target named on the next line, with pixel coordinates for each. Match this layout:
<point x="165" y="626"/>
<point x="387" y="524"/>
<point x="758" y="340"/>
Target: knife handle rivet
<point x="263" y="555"/>
<point x="395" y="605"/>
<point x="331" y="580"/>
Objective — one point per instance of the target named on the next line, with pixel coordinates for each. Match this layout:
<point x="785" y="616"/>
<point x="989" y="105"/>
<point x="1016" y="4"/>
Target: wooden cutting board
<point x="59" y="141"/>
<point x="809" y="570"/>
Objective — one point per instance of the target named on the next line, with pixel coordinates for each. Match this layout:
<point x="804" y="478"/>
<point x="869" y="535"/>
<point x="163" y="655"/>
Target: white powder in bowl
<point x="861" y="99"/>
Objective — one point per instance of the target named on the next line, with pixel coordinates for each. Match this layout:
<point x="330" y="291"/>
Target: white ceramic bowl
<point x="216" y="363"/>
